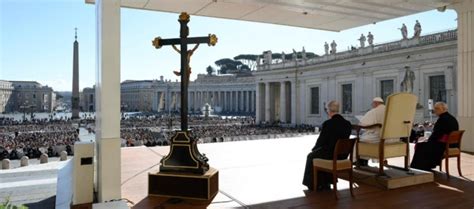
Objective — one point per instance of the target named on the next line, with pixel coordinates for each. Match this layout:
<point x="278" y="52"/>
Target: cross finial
<point x="75" y="36"/>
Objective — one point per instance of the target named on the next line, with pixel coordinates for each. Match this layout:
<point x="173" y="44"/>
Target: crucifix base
<point x="184" y="172"/>
<point x="184" y="185"/>
<point x="184" y="156"/>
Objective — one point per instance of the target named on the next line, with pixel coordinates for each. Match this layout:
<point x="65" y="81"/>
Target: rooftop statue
<point x="404" y="31"/>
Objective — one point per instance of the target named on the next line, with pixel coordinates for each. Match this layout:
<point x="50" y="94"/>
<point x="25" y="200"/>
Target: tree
<point x="227" y="65"/>
<point x="210" y="70"/>
<point x="248" y="59"/>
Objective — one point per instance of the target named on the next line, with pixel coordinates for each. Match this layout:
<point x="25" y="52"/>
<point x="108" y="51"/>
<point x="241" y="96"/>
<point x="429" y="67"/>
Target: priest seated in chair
<point x="336" y="127"/>
<point x="429" y="150"/>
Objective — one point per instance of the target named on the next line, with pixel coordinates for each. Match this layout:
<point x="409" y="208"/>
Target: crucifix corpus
<point x="184" y="155"/>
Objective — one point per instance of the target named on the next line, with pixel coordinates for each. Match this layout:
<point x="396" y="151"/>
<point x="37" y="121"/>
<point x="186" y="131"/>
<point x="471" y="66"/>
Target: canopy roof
<point x="333" y="15"/>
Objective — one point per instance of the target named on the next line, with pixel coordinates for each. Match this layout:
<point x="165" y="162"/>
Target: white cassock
<point x="375" y="115"/>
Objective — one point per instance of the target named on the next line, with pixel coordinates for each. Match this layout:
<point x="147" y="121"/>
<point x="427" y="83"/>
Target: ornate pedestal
<point x="184" y="185"/>
<point x="184" y="172"/>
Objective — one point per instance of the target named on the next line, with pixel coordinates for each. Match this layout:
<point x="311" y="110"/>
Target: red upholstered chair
<point x="453" y="138"/>
<point x="335" y="166"/>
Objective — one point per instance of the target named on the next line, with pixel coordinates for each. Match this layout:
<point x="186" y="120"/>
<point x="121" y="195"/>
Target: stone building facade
<point x="30" y="96"/>
<point x="6" y="90"/>
<point x="297" y="91"/>
<point x="230" y="94"/>
<point x="87" y="101"/>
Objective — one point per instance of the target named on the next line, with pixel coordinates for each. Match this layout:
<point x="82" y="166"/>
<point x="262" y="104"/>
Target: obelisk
<point x="75" y="80"/>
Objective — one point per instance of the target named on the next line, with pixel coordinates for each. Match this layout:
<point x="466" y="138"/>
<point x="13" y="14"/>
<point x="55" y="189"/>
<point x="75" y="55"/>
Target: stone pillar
<point x="5" y="164"/>
<point x="108" y="100"/>
<point x="283" y="101"/>
<point x="247" y="101"/>
<point x="293" y="102"/>
<point x="258" y="105"/>
<point x="267" y="102"/>
<point x="43" y="158"/>
<point x="24" y="161"/>
<point x="178" y="100"/>
<point x="231" y="105"/>
<point x="465" y="71"/>
<point x="63" y="156"/>
<point x="234" y="101"/>
<point x="224" y="102"/>
<point x="252" y="99"/>
<point x="241" y="102"/>
<point x="201" y="99"/>
<point x="193" y="99"/>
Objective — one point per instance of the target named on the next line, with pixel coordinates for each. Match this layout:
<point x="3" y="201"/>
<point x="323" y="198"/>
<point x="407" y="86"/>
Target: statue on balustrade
<point x="326" y="48"/>
<point x="417" y="29"/>
<point x="370" y="39"/>
<point x="404" y="31"/>
<point x="333" y="47"/>
<point x="362" y="40"/>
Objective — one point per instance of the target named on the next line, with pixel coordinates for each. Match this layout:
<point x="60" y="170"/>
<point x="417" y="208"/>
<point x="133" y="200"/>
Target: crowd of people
<point x="142" y="136"/>
<point x="33" y="137"/>
<point x="217" y="132"/>
<point x="51" y="135"/>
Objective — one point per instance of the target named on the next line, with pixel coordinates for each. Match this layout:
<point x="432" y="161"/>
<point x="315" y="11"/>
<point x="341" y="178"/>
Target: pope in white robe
<point x="374" y="116"/>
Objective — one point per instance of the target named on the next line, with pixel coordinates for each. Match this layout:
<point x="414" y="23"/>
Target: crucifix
<point x="184" y="155"/>
<point x="186" y="54"/>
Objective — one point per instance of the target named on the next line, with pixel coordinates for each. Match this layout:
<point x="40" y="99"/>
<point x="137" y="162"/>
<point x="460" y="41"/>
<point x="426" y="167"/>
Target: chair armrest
<point x="377" y="125"/>
<point x="357" y="127"/>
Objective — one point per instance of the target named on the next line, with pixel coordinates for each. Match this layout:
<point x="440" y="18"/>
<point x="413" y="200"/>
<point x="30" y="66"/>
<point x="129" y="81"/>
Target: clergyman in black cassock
<point x="333" y="129"/>
<point x="429" y="154"/>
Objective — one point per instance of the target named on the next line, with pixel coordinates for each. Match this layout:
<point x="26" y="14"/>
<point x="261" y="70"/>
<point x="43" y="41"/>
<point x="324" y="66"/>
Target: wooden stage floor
<point x="268" y="174"/>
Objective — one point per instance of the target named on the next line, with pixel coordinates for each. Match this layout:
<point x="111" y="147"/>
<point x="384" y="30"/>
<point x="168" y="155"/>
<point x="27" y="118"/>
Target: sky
<point x="37" y="40"/>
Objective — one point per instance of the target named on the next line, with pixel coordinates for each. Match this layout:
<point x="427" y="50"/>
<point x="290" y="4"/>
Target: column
<point x="241" y="108"/>
<point x="293" y="102"/>
<point x="200" y="100"/>
<point x="194" y="101"/>
<point x="215" y="100"/>
<point x="465" y="71"/>
<point x="108" y="100"/>
<point x="258" y="111"/>
<point x="190" y="97"/>
<point x="252" y="101"/>
<point x="224" y="105"/>
<point x="247" y="101"/>
<point x="232" y="103"/>
<point x="267" y="102"/>
<point x="178" y="100"/>
<point x="283" y="101"/>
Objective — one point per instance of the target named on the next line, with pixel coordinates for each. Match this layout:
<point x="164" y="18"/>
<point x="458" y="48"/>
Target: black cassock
<point x="429" y="154"/>
<point x="332" y="130"/>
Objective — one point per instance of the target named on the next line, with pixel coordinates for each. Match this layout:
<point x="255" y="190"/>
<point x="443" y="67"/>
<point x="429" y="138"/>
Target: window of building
<point x="437" y="88"/>
<point x="314" y="100"/>
<point x="346" y="98"/>
<point x="386" y="88"/>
